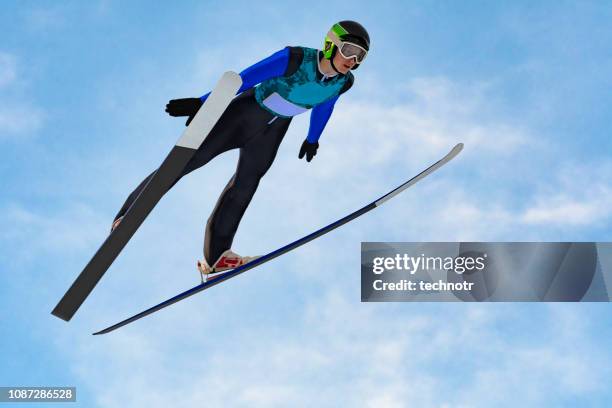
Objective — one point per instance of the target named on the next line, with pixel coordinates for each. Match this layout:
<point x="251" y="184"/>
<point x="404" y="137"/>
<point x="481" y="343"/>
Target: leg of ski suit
<point x="247" y="126"/>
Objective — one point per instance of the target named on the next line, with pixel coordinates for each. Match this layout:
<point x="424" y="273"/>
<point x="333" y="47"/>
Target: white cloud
<point x="582" y="196"/>
<point x="355" y="354"/>
<point x="438" y="115"/>
<point x="566" y="210"/>
<point x="70" y="230"/>
<point x="8" y="69"/>
<point x="17" y="117"/>
<point x="45" y="19"/>
<point x="19" y="120"/>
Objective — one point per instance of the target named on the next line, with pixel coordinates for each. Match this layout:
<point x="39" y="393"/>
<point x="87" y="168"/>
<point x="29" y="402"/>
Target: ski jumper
<point x="274" y="90"/>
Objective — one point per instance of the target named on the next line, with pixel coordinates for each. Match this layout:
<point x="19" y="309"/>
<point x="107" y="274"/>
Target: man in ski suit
<point x="289" y="82"/>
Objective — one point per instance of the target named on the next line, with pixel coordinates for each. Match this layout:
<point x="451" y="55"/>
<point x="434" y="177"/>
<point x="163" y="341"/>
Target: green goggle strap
<point x="332" y="37"/>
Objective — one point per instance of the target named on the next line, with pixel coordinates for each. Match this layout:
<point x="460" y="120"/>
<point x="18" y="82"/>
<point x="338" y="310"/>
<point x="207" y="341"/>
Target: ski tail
<point x="268" y="257"/>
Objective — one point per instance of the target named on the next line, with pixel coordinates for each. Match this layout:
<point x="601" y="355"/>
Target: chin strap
<point x="331" y="60"/>
<point x="333" y="66"/>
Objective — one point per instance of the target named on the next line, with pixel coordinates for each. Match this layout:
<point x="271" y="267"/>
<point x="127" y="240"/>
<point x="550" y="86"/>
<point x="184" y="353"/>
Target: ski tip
<point x="458" y="148"/>
<point x="233" y="78"/>
<point x="453" y="153"/>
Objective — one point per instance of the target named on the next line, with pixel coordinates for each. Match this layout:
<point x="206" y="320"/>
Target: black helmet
<point x="346" y="31"/>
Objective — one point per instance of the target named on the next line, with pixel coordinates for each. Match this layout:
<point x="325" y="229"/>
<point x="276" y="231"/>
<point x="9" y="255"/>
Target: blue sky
<point x="82" y="90"/>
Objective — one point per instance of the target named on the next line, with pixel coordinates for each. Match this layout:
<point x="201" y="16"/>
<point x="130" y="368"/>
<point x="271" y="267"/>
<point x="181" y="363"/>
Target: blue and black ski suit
<point x="274" y="90"/>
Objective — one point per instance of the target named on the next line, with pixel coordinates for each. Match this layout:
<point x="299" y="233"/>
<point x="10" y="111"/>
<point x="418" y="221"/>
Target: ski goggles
<point x="348" y="49"/>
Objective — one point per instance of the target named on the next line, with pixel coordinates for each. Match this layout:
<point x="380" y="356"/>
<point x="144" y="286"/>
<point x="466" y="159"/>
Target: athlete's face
<point x="344" y="65"/>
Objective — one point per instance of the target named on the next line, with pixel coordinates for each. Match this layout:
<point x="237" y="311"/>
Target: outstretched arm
<point x="273" y="66"/>
<point x="318" y="119"/>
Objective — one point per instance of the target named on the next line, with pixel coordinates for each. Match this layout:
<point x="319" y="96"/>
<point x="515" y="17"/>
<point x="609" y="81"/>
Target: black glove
<point x="308" y="149"/>
<point x="184" y="107"/>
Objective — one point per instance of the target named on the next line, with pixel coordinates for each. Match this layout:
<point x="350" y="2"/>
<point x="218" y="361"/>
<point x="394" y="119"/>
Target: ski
<point x="166" y="174"/>
<point x="263" y="259"/>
